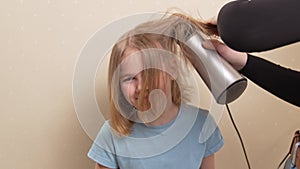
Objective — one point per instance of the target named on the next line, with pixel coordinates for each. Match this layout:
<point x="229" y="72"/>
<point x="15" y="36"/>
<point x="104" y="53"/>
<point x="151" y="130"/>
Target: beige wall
<point x="40" y="43"/>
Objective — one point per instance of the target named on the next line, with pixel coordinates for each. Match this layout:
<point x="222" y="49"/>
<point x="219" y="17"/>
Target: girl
<point x="151" y="125"/>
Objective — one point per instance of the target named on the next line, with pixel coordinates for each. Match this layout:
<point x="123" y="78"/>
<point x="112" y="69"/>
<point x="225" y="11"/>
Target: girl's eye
<point x="128" y="79"/>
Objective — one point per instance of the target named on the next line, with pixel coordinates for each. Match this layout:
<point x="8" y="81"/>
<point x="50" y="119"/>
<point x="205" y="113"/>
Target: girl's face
<point x="132" y="82"/>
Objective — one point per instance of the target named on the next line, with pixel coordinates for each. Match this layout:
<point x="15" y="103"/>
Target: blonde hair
<point x="160" y="34"/>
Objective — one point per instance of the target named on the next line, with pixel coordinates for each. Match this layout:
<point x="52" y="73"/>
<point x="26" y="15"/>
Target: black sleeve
<point x="259" y="25"/>
<point x="280" y="81"/>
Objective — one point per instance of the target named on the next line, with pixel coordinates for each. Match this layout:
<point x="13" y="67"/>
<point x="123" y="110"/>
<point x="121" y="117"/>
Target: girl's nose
<point x="139" y="82"/>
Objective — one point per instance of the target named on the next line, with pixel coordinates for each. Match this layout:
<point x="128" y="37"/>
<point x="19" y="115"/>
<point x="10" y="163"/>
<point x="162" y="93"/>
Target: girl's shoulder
<point x="105" y="129"/>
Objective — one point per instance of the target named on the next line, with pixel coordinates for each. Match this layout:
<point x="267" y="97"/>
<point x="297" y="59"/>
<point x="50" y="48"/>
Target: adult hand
<point x="236" y="59"/>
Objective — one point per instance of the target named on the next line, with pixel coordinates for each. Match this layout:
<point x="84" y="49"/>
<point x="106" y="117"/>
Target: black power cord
<point x="238" y="133"/>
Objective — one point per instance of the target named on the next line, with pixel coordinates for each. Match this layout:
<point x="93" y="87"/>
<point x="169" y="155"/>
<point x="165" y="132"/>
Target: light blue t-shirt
<point x="182" y="143"/>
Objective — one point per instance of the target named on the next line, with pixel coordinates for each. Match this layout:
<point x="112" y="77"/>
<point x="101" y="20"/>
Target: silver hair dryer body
<point x="223" y="81"/>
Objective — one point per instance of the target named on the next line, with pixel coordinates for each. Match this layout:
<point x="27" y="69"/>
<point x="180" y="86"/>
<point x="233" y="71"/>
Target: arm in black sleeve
<point x="259" y="25"/>
<point x="280" y="81"/>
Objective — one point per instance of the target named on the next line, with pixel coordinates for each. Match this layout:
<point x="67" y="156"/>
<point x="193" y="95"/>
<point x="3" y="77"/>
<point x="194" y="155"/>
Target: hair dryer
<point x="223" y="81"/>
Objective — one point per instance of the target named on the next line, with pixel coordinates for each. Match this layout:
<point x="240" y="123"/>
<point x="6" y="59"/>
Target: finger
<point x="211" y="44"/>
<point x="212" y="20"/>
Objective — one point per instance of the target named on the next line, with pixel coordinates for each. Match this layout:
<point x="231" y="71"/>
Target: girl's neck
<point x="167" y="116"/>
